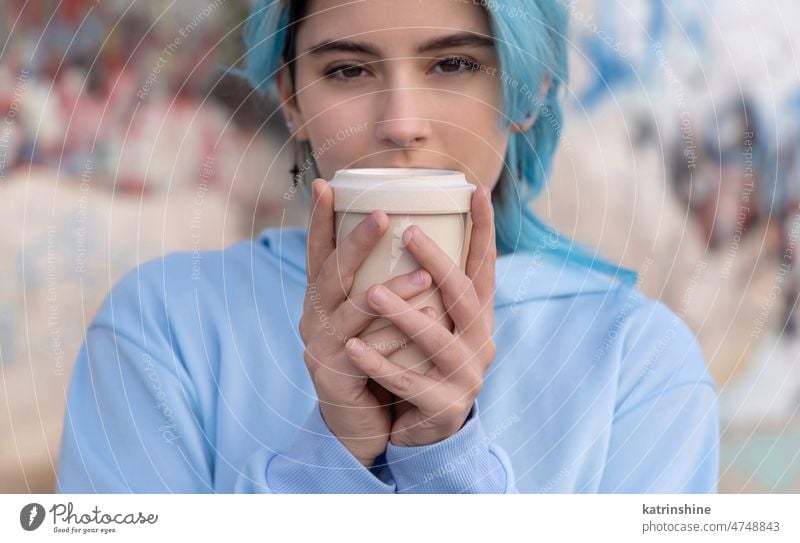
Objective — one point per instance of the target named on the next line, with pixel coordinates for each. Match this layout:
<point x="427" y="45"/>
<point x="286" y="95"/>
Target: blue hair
<point x="531" y="42"/>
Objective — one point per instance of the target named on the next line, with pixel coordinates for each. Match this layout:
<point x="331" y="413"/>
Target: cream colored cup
<point x="437" y="201"/>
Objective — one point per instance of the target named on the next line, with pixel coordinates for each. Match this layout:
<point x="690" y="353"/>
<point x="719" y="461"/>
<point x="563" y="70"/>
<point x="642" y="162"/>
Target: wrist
<point x="432" y="436"/>
<point x="367" y="459"/>
<point x="365" y="455"/>
<point x="464" y="462"/>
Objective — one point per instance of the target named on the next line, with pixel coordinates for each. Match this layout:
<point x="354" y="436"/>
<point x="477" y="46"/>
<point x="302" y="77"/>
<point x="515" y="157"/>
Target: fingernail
<point x="409" y="234"/>
<point x="379" y="296"/>
<point x="355" y="346"/>
<point x="375" y="224"/>
<point x="418" y="277"/>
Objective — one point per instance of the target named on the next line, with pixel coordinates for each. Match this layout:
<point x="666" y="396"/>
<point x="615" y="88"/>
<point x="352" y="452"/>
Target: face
<point x="385" y="91"/>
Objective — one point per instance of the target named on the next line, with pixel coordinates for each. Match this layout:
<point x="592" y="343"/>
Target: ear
<point x="289" y="106"/>
<point x="531" y="119"/>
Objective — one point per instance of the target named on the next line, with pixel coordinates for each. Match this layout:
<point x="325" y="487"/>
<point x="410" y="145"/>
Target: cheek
<point x="334" y="112"/>
<point x="478" y="113"/>
<point x="475" y="140"/>
<point x="338" y="133"/>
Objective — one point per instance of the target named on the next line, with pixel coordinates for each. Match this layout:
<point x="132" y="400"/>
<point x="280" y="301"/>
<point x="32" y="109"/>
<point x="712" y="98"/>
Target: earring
<point x="295" y="170"/>
<point x="528" y="118"/>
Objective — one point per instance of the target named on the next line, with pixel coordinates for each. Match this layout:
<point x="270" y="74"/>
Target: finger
<point x="390" y="339"/>
<point x="336" y="276"/>
<point x="321" y="241"/>
<point x="482" y="256"/>
<point x="386" y="341"/>
<point x="435" y="340"/>
<point x="355" y="313"/>
<point x="458" y="294"/>
<point x="404" y="383"/>
<point x="384" y="397"/>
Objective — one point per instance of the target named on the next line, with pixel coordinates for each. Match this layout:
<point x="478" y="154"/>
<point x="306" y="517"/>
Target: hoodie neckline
<point x="520" y="277"/>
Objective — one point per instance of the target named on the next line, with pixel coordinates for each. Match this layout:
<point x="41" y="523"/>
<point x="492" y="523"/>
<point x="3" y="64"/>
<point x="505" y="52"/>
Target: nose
<point x="403" y="121"/>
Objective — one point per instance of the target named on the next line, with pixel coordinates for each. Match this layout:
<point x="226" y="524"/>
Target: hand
<point x="440" y="399"/>
<point x="355" y="409"/>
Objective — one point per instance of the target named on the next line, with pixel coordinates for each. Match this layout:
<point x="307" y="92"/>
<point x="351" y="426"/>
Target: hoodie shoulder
<point x="286" y="247"/>
<point x="520" y="277"/>
<point x="527" y="277"/>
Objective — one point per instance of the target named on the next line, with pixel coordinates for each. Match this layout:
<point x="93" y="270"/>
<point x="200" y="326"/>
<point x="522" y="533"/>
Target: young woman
<point x="218" y="374"/>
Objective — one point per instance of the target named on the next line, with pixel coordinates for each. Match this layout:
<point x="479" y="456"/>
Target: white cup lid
<point x="401" y="190"/>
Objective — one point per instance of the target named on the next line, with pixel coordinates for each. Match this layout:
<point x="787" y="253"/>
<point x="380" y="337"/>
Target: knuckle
<point x="326" y="386"/>
<point x="464" y="283"/>
<point x="402" y="382"/>
<point x="303" y="330"/>
<point x="312" y="362"/>
<point x="476" y="383"/>
<point x="346" y="281"/>
<point x="455" y="409"/>
<point x="466" y="404"/>
<point x="472" y="378"/>
<point x="325" y="267"/>
<point x="440" y="340"/>
<point x="349" y="310"/>
<point x="489" y="351"/>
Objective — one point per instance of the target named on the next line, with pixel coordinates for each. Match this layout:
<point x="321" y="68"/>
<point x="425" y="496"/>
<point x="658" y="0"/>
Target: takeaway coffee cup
<point x="437" y="201"/>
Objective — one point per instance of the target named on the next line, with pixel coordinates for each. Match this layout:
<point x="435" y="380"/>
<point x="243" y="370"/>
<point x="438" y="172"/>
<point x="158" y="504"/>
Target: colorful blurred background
<point x="124" y="136"/>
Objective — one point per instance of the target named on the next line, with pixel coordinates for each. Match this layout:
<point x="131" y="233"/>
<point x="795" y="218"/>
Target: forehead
<point x="396" y="25"/>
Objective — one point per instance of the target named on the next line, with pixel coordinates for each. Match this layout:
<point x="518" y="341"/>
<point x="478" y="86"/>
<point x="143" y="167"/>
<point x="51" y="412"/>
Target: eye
<point x="458" y="65"/>
<point x="345" y="72"/>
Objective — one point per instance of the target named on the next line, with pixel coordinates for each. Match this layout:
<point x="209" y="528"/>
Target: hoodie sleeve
<point x="132" y="422"/>
<point x="317" y="463"/>
<point x="138" y="421"/>
<point x="665" y="427"/>
<point x="465" y="462"/>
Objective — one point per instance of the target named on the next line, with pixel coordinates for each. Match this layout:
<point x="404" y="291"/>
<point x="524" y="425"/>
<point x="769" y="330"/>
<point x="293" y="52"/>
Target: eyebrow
<point x="462" y="39"/>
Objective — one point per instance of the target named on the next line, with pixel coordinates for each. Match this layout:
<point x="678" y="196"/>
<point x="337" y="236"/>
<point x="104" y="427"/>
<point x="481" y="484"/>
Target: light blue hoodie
<point x="191" y="379"/>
